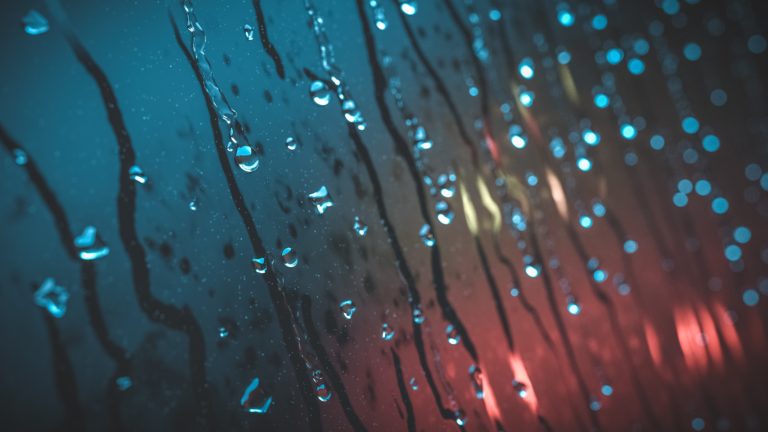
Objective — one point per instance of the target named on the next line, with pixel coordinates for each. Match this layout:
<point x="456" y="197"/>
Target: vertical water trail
<point x="66" y="383"/>
<point x="411" y="416"/>
<point x="325" y="361"/>
<point x="277" y="297"/>
<point x="266" y="42"/>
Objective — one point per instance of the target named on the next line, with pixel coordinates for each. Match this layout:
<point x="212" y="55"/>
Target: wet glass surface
<point x="384" y="215"/>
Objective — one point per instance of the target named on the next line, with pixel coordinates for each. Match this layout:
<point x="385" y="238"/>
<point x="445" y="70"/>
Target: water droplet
<point x="248" y="30"/>
<point x="246" y="158"/>
<point x="20" y="157"/>
<point x="387" y="333"/>
<point x="322" y="391"/>
<point x="136" y="174"/>
<point x="34" y="23"/>
<point x="193" y="204"/>
<point x="52" y="297"/>
<point x="444" y="212"/>
<point x="426" y="235"/>
<point x="447" y="184"/>
<point x="321" y="199"/>
<point x="476" y="377"/>
<point x="520" y="388"/>
<point x="254" y="400"/>
<point x="259" y="264"/>
<point x="418" y="315"/>
<point x="352" y="114"/>
<point x="360" y="227"/>
<point x="348" y="308"/>
<point x="414" y="384"/>
<point x="223" y="332"/>
<point x="123" y="383"/>
<point x="90" y="246"/>
<point x="460" y="417"/>
<point x="290" y="258"/>
<point x="291" y="143"/>
<point x="409" y="7"/>
<point x="320" y="93"/>
<point x="452" y="333"/>
<point x="574" y="308"/>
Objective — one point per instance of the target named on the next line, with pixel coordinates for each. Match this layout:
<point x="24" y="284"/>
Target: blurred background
<point x="384" y="215"/>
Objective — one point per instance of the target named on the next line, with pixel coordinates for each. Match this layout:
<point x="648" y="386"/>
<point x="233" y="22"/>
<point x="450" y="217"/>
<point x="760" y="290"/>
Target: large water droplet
<point x="290" y="258"/>
<point x="320" y="93"/>
<point x="452" y="333"/>
<point x="137" y="174"/>
<point x="254" y="400"/>
<point x="409" y="7"/>
<point x="348" y="308"/>
<point x="426" y="235"/>
<point x="90" y="246"/>
<point x="248" y="30"/>
<point x="353" y="114"/>
<point x="34" y="23"/>
<point x="444" y="212"/>
<point x="387" y="333"/>
<point x="360" y="227"/>
<point x="321" y="199"/>
<point x="322" y="391"/>
<point x="52" y="297"/>
<point x="246" y="158"/>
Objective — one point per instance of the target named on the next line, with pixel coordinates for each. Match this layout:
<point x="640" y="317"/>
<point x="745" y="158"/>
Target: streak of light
<point x="469" y="209"/>
<point x="558" y="194"/>
<point x="490" y="204"/>
<point x="521" y="376"/>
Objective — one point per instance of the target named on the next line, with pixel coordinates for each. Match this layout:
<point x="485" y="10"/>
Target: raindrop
<point x="352" y="114"/>
<point x="137" y="174"/>
<point x="476" y="376"/>
<point x="574" y="308"/>
<point x="193" y="204"/>
<point x="347" y="308"/>
<point x="418" y="315"/>
<point x="34" y="23"/>
<point x="321" y="199"/>
<point x="290" y="258"/>
<point x="52" y="297"/>
<point x="460" y="417"/>
<point x="447" y="184"/>
<point x="255" y="401"/>
<point x="291" y="143"/>
<point x="409" y="7"/>
<point x="223" y="332"/>
<point x="20" y="157"/>
<point x="320" y="93"/>
<point x="426" y="235"/>
<point x="90" y="246"/>
<point x="360" y="227"/>
<point x="123" y="383"/>
<point x="246" y="158"/>
<point x="259" y="264"/>
<point x="444" y="212"/>
<point x="414" y="384"/>
<point x="387" y="333"/>
<point x="520" y="388"/>
<point x="248" y="30"/>
<point x="322" y="391"/>
<point x="452" y="333"/>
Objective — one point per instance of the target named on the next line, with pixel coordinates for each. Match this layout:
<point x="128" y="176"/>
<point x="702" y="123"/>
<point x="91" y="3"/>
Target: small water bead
<point x="444" y="212"/>
<point x="601" y="100"/>
<point x="290" y="257"/>
<point x="690" y="125"/>
<point x="657" y="142"/>
<point x="516" y="136"/>
<point x="409" y="7"/>
<point x="685" y="186"/>
<point x="732" y="253"/>
<point x="557" y="147"/>
<point x="322" y="391"/>
<point x="378" y="15"/>
<point x="347" y="308"/>
<point x="703" y="187"/>
<point x="90" y="246"/>
<point x="20" y="157"/>
<point x="223" y="332"/>
<point x="574" y="308"/>
<point x="248" y="30"/>
<point x="452" y="333"/>
<point x="598" y="209"/>
<point x="52" y="297"/>
<point x="680" y="199"/>
<point x="447" y="184"/>
<point x="360" y="227"/>
<point x="692" y="51"/>
<point x="585" y="221"/>
<point x="636" y="66"/>
<point x="590" y="137"/>
<point x="599" y="22"/>
<point x="352" y="114"/>
<point x="259" y="264"/>
<point x="614" y="56"/>
<point x="427" y="237"/>
<point x="753" y="172"/>
<point x="291" y="143"/>
<point x="595" y="405"/>
<point x="123" y="383"/>
<point x="320" y="93"/>
<point x="514" y="292"/>
<point x="531" y="179"/>
<point x="460" y="417"/>
<point x="476" y="377"/>
<point x="532" y="270"/>
<point x="321" y="199"/>
<point x="718" y="97"/>
<point x="742" y="235"/>
<point x="520" y="388"/>
<point x="720" y="205"/>
<point x="757" y="44"/>
<point x="630" y="246"/>
<point x="710" y="143"/>
<point x="246" y="158"/>
<point x="628" y="131"/>
<point x="584" y="164"/>
<point x="564" y="15"/>
<point x="526" y="68"/>
<point x="526" y="98"/>
<point x="418" y="315"/>
<point x="35" y="23"/>
<point x="254" y="400"/>
<point x="750" y="297"/>
<point x="414" y="385"/>
<point x="192" y="204"/>
<point x="136" y="174"/>
<point x="563" y="57"/>
<point x="387" y="333"/>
